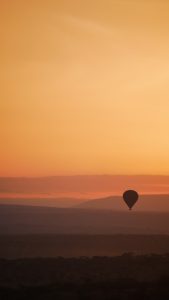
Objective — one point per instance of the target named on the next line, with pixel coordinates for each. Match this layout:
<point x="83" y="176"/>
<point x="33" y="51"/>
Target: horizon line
<point x="84" y="175"/>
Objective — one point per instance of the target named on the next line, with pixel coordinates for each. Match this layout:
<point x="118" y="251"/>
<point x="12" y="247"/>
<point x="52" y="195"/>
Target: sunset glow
<point x="84" y="87"/>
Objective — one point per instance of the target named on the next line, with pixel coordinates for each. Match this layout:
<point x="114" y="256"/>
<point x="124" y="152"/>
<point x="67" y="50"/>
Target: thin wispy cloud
<point x="88" y="25"/>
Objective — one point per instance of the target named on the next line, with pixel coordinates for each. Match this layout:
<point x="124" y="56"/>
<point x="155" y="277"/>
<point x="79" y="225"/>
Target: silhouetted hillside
<point x="41" y="201"/>
<point x="46" y="220"/>
<point x="145" y="203"/>
<point x="156" y="203"/>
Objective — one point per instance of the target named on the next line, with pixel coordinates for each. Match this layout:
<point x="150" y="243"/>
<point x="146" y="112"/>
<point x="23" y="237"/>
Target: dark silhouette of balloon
<point x="130" y="197"/>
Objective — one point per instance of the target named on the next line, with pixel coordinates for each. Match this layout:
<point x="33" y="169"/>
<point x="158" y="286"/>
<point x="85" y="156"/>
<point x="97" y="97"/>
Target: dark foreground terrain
<point x="32" y="246"/>
<point x="121" y="277"/>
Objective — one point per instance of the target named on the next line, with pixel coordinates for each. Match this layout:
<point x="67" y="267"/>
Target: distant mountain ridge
<point x="59" y="202"/>
<point x="151" y="203"/>
<point x="88" y="185"/>
<point x="145" y="203"/>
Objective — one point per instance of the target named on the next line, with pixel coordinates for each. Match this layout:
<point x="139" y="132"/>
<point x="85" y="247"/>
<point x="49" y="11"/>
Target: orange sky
<point x="84" y="87"/>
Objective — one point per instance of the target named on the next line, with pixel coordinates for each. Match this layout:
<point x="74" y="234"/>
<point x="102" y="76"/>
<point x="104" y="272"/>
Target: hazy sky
<point x="84" y="87"/>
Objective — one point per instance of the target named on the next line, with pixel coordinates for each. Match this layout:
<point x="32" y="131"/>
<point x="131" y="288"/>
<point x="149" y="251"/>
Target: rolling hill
<point x="152" y="203"/>
<point x="46" y="220"/>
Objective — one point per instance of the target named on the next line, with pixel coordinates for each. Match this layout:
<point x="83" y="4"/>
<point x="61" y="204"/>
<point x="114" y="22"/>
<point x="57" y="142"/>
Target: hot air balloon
<point x="130" y="197"/>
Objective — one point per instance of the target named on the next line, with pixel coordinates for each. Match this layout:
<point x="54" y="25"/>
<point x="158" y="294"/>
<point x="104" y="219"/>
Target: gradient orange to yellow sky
<point x="84" y="87"/>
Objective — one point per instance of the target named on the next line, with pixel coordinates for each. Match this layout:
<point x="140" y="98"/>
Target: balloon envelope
<point x="130" y="197"/>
